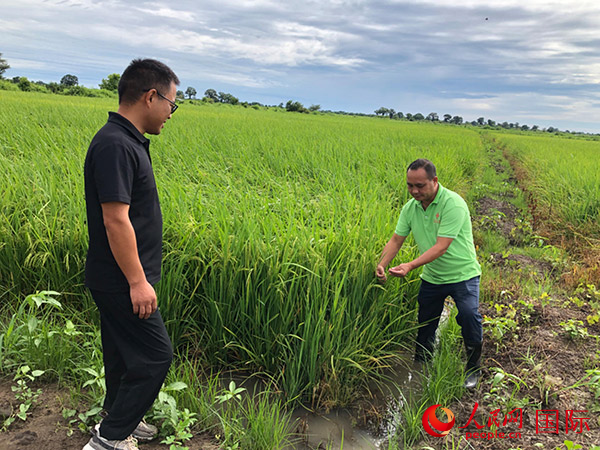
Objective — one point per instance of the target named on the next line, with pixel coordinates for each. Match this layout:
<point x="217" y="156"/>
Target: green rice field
<point x="273" y="225"/>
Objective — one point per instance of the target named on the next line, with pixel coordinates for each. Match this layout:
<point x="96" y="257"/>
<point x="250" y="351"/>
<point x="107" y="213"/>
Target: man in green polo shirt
<point x="441" y="226"/>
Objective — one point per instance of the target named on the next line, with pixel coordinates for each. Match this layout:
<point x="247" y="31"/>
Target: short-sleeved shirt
<point x="447" y="216"/>
<point x="118" y="168"/>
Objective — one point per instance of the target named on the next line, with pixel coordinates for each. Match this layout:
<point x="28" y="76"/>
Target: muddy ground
<point x="537" y="355"/>
<point x="46" y="429"/>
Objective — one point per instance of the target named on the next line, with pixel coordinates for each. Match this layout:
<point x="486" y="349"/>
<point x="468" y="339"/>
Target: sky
<point x="535" y="62"/>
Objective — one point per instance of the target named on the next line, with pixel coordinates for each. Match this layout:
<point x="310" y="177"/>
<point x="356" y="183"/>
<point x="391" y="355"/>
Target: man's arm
<point x="121" y="238"/>
<point x="438" y="249"/>
<point x="389" y="252"/>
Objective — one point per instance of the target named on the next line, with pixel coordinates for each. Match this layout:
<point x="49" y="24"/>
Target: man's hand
<point x="143" y="299"/>
<point x="380" y="273"/>
<point x="401" y="270"/>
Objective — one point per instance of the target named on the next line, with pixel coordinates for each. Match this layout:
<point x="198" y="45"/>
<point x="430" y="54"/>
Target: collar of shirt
<point x="122" y="121"/>
<point x="437" y="195"/>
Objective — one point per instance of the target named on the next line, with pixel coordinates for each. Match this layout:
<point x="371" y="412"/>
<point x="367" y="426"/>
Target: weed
<point x="502" y="330"/>
<point x="571" y="446"/>
<point x="24" y="395"/>
<point x="504" y="389"/>
<point x="574" y="330"/>
<point x="176" y="423"/>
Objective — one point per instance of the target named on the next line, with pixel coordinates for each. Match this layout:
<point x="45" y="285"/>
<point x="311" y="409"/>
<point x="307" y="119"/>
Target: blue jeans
<point x="431" y="303"/>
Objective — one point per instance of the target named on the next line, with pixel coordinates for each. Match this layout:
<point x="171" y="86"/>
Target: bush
<point x="6" y="85"/>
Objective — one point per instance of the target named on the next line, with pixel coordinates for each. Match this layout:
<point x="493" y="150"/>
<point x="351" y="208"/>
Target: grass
<point x="272" y="225"/>
<point x="562" y="177"/>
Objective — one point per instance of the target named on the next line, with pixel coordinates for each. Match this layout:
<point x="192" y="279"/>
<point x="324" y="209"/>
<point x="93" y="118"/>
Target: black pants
<point x="431" y="303"/>
<point x="137" y="356"/>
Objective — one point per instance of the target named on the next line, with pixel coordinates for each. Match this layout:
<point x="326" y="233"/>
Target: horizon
<point x="534" y="64"/>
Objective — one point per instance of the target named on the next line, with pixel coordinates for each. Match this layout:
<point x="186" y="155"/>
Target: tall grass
<point x="563" y="176"/>
<point x="273" y="224"/>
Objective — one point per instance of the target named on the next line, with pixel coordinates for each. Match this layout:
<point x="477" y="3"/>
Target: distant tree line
<point x="458" y="120"/>
<point x="69" y="85"/>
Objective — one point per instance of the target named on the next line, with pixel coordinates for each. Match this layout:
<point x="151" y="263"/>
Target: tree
<point x="381" y="111"/>
<point x="400" y="115"/>
<point x="3" y="66"/>
<point x="418" y="116"/>
<point x="447" y="118"/>
<point x="227" y="98"/>
<point x="24" y="84"/>
<point x="211" y="94"/>
<point x="190" y="92"/>
<point x="491" y="123"/>
<point x="53" y="87"/>
<point x="457" y="120"/>
<point x="179" y="95"/>
<point x="391" y="113"/>
<point x="295" y="106"/>
<point x="110" y="83"/>
<point x="314" y="108"/>
<point x="433" y="117"/>
<point x="481" y="121"/>
<point x="409" y="116"/>
<point x="534" y="128"/>
<point x="69" y="80"/>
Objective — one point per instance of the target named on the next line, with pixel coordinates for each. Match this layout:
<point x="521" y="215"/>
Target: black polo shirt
<point x="118" y="169"/>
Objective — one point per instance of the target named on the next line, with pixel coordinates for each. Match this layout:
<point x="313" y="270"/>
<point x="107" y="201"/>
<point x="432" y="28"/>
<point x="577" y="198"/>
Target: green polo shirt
<point x="447" y="216"/>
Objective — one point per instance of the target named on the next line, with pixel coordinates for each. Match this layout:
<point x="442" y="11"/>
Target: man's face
<point x="420" y="186"/>
<point x="161" y="110"/>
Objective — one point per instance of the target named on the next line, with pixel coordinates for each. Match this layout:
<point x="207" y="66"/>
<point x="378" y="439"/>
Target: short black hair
<point x="425" y="164"/>
<point x="142" y="75"/>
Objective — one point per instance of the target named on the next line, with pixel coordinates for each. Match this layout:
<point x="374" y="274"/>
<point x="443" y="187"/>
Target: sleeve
<point x="114" y="170"/>
<point x="403" y="226"/>
<point x="452" y="220"/>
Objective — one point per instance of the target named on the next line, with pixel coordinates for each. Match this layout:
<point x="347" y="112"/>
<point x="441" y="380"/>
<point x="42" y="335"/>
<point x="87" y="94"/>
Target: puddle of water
<point x="332" y="429"/>
<point x="320" y="430"/>
<point x="402" y="381"/>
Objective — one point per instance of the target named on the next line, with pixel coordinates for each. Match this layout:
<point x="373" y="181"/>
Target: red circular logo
<point x="430" y="418"/>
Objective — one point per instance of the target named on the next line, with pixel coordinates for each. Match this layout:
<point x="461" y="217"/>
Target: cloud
<point x="156" y="9"/>
<point x="442" y="53"/>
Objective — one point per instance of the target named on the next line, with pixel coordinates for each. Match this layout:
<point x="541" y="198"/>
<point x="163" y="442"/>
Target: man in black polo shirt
<point x="125" y="251"/>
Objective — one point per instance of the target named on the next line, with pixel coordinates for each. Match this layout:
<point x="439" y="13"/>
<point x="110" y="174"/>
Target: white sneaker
<point x="143" y="432"/>
<point x="97" y="442"/>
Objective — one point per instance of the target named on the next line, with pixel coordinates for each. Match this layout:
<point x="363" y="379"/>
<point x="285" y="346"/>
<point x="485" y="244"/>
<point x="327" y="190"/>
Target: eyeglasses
<point x="174" y="105"/>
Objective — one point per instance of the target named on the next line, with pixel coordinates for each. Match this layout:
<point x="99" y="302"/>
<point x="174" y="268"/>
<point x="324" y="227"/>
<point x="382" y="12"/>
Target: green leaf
<point x="176" y="386"/>
<point x="66" y="413"/>
<point x="32" y="324"/>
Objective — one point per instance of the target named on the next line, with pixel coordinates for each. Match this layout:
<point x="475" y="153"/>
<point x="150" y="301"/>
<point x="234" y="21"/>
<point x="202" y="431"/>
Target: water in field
<point x="360" y="427"/>
<point x="347" y="430"/>
<point x="365" y="425"/>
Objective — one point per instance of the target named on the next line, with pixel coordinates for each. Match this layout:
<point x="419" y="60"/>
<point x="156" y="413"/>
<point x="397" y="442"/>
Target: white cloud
<point x="156" y="9"/>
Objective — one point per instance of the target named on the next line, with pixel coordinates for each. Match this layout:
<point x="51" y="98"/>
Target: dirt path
<point x="532" y="360"/>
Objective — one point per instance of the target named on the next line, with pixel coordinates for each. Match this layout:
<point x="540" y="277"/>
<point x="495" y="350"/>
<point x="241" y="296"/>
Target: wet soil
<point x="46" y="428"/>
